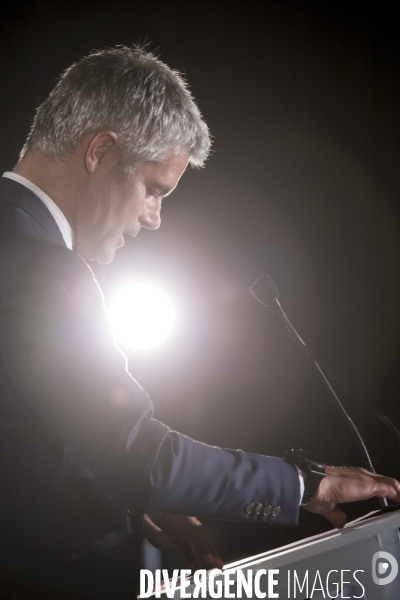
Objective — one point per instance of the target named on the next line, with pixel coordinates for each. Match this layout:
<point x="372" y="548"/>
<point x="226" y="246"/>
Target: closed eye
<point x="150" y="193"/>
<point x="155" y="189"/>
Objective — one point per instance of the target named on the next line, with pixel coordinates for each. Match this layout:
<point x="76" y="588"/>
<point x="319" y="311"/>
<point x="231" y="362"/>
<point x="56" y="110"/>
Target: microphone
<point x="266" y="292"/>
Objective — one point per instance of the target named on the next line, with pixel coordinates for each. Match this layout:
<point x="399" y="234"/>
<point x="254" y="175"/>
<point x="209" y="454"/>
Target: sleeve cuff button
<point x="267" y="511"/>
<point x="259" y="509"/>
<point x="248" y="509"/>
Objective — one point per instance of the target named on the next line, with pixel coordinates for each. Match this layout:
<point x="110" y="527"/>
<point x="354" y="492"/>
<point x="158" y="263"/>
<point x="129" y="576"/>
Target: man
<point x="80" y="448"/>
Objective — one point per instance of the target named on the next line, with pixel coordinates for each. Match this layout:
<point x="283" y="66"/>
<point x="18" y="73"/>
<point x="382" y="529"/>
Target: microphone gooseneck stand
<point x="267" y="293"/>
<point x="374" y="410"/>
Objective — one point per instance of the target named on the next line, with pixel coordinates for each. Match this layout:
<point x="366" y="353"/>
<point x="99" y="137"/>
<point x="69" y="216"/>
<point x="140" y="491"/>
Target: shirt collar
<point x="58" y="215"/>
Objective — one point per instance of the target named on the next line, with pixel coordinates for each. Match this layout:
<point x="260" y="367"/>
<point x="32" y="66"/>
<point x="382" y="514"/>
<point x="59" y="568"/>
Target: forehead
<point x="164" y="174"/>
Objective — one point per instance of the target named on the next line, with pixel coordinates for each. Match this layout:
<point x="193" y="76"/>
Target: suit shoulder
<point x="51" y="267"/>
<point x="58" y="259"/>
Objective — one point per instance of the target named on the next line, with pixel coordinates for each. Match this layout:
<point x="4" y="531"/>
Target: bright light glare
<point x="141" y="316"/>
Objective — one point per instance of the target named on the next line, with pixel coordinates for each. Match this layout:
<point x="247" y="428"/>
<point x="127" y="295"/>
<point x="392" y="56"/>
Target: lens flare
<point x="141" y="315"/>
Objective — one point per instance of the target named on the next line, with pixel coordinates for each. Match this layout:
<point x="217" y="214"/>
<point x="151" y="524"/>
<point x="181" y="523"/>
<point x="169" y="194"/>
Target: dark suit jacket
<point x="78" y="442"/>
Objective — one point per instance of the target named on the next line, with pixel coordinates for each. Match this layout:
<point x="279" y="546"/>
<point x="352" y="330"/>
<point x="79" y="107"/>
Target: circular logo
<point x="381" y="573"/>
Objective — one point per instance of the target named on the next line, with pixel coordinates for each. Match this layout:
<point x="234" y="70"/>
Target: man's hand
<point x="348" y="484"/>
<point x="187" y="533"/>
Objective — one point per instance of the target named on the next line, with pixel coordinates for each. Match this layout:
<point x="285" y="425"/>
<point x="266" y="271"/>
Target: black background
<point x="302" y="99"/>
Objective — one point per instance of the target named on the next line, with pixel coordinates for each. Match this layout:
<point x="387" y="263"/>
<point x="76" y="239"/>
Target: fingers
<point x="349" y="484"/>
<point x="187" y="533"/>
<point x="154" y="534"/>
<point x="196" y="554"/>
<point x="189" y="552"/>
<point x="205" y="548"/>
<point x="388" y="491"/>
<point x="388" y="488"/>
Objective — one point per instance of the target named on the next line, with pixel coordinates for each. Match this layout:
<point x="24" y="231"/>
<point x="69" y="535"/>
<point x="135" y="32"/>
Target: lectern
<point x="359" y="561"/>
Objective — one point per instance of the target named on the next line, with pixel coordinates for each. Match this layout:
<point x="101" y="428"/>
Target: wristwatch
<point x="314" y="469"/>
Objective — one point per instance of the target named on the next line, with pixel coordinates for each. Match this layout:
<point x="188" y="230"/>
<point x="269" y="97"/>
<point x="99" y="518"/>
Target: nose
<point x="151" y="216"/>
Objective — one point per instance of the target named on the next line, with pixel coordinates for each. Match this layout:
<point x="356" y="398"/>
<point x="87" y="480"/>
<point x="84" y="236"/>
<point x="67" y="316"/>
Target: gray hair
<point x="130" y="92"/>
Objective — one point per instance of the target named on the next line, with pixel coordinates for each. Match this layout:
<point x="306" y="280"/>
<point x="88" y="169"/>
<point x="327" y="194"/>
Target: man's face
<point x="110" y="209"/>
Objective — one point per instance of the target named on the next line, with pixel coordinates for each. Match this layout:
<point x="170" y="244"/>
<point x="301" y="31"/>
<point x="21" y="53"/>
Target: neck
<point x="53" y="177"/>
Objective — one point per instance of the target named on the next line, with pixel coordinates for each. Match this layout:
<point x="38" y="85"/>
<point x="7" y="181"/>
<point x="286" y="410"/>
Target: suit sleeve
<point x="59" y="353"/>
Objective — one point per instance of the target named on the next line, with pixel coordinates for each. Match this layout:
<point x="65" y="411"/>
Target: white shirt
<point x="58" y="215"/>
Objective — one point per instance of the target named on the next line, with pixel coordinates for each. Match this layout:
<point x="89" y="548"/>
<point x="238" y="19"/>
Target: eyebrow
<point x="159" y="189"/>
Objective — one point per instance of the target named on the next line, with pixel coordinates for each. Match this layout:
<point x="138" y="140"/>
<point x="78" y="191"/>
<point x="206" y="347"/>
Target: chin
<point x="105" y="257"/>
<point x="101" y="253"/>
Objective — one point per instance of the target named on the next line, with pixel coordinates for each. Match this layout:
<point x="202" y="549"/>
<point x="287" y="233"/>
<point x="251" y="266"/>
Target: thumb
<point x="336" y="517"/>
<point x="213" y="561"/>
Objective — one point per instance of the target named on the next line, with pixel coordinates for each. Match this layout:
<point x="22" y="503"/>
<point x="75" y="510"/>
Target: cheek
<point x="117" y="211"/>
<point x="134" y="207"/>
<point x="122" y="208"/>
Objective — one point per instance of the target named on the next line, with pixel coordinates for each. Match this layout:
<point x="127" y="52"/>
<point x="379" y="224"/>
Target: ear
<point x="102" y="152"/>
